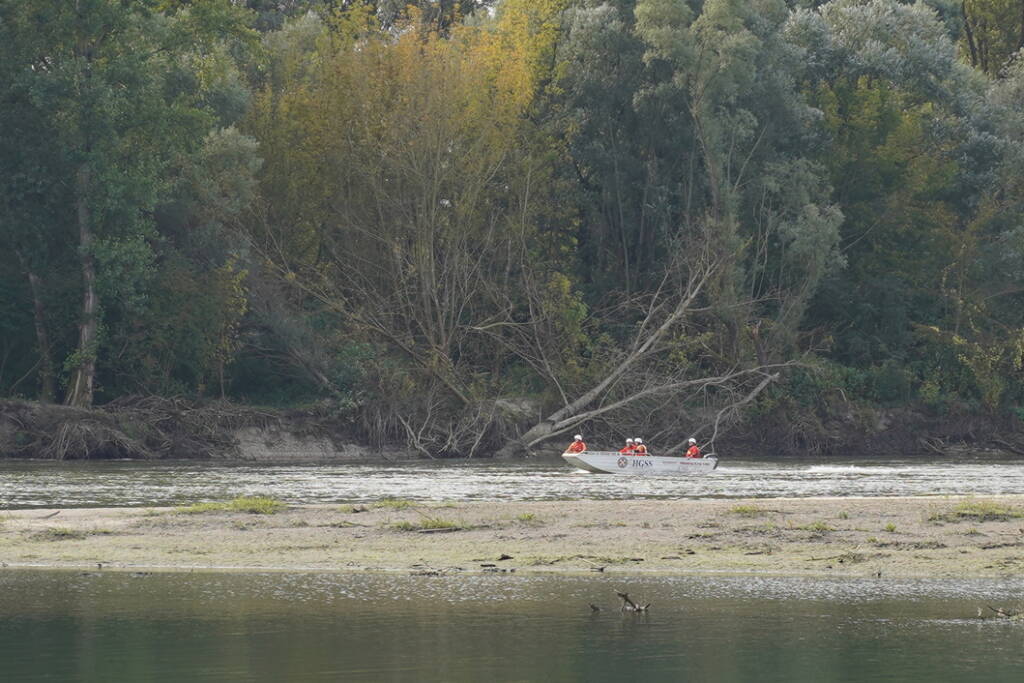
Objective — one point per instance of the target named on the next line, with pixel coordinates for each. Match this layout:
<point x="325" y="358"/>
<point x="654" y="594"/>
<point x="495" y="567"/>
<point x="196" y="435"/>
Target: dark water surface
<point x="114" y="627"/>
<point x="25" y="484"/>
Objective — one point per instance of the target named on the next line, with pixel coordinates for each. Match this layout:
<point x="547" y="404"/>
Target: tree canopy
<point x="469" y="224"/>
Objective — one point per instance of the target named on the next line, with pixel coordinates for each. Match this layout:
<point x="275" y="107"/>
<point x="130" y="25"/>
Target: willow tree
<point x="709" y="224"/>
<point x="916" y="155"/>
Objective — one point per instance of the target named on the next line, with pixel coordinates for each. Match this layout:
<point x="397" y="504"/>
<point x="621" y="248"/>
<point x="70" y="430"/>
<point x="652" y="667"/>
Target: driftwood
<point x="629" y="606"/>
<point x="1006" y="614"/>
<point x="1008" y="446"/>
<point x="594" y="566"/>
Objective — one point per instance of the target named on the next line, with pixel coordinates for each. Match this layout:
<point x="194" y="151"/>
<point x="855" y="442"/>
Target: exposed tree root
<point x="148" y="427"/>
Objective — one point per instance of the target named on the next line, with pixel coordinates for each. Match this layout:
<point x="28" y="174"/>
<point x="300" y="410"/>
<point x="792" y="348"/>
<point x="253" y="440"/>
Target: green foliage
<point x="529" y="519"/>
<point x="747" y="510"/>
<point x="419" y="211"/>
<point x="992" y="33"/>
<point x="394" y="503"/>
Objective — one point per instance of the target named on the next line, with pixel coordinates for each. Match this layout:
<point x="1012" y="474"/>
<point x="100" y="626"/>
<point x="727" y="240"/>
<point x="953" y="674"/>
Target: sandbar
<point x="945" y="536"/>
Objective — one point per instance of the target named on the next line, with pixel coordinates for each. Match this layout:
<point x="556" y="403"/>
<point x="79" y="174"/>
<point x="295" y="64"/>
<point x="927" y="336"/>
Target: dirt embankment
<point x="155" y="427"/>
<point x="937" y="537"/>
<point x="839" y="427"/>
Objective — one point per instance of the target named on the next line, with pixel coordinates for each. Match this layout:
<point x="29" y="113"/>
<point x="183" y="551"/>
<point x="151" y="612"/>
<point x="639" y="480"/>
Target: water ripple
<point x="86" y="484"/>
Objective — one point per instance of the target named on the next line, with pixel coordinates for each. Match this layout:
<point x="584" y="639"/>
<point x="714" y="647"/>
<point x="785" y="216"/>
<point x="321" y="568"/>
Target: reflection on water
<point x="44" y="484"/>
<point x="116" y="627"/>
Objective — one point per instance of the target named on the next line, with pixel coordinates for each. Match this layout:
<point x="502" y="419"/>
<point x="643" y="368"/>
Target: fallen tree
<point x="662" y="366"/>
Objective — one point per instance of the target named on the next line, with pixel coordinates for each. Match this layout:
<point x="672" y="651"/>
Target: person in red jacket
<point x="640" y="449"/>
<point x="577" y="445"/>
<point x="693" y="451"/>
<point x="630" y="449"/>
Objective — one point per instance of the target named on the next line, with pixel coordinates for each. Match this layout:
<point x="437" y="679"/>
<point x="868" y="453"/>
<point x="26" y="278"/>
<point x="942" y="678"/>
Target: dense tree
<point x="477" y="223"/>
<point x="993" y="33"/>
<point x="105" y="97"/>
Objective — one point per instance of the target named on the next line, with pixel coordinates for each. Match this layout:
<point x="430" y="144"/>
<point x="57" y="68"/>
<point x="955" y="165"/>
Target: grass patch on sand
<point x="747" y="511"/>
<point x="254" y="505"/>
<point x="978" y="511"/>
<point x="818" y="527"/>
<point x="394" y="503"/>
<point x="427" y="524"/>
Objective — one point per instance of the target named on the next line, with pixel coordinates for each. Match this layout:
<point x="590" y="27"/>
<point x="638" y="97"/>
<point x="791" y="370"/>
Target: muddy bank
<point x="835" y="426"/>
<point x="155" y="427"/>
<point x="929" y="537"/>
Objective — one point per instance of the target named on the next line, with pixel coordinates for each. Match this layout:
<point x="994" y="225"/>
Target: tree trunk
<point x="969" y="34"/>
<point x="47" y="376"/>
<point x="80" y="389"/>
<point x="1020" y="42"/>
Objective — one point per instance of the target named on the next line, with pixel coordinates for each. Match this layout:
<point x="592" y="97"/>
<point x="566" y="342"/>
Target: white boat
<point x="612" y="462"/>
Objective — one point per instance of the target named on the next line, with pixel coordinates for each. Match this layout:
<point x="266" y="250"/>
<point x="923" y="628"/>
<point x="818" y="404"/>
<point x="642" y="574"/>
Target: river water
<point x="116" y="627"/>
<point x="26" y="484"/>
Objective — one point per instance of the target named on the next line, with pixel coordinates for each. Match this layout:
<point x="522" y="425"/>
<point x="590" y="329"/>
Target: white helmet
<point x="638" y="440"/>
<point x="629" y="440"/>
<point x="693" y="440"/>
<point x="578" y="437"/>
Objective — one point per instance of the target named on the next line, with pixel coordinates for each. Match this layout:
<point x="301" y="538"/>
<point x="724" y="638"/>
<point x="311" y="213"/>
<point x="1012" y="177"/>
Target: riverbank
<point x="156" y="428"/>
<point x="153" y="427"/>
<point x="925" y="536"/>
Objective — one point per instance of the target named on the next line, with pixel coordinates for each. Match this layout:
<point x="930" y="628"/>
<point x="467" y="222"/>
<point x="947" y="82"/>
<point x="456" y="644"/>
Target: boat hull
<point x="610" y="462"/>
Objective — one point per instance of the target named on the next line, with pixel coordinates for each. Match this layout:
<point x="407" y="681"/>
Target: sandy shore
<point x="926" y="536"/>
